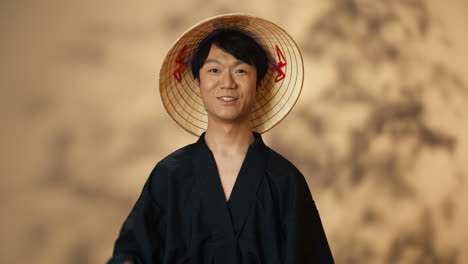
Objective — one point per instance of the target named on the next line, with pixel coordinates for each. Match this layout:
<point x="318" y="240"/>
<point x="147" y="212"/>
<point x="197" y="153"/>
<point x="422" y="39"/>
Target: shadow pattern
<point x="387" y="102"/>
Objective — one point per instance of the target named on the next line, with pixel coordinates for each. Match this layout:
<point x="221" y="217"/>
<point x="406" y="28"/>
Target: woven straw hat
<point x="282" y="82"/>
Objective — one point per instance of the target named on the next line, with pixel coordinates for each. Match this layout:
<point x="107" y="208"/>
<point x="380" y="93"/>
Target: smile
<point x="227" y="98"/>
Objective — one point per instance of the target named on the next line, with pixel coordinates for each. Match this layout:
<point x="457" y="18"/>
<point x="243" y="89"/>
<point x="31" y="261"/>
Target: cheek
<point x="205" y="86"/>
<point x="251" y="98"/>
<point x="210" y="84"/>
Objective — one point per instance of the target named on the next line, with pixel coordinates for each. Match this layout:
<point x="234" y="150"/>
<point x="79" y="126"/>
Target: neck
<point x="229" y="139"/>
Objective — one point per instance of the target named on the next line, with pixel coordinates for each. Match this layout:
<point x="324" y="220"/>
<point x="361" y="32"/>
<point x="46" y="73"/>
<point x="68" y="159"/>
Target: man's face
<point x="227" y="87"/>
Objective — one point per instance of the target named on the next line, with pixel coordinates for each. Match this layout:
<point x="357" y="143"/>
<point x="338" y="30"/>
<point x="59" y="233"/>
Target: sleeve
<point x="312" y="244"/>
<point x="304" y="237"/>
<point x="140" y="239"/>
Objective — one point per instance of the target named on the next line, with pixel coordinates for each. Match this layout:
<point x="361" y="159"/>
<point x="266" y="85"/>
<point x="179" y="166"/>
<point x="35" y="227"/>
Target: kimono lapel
<point x="214" y="208"/>
<point x="244" y="193"/>
<point x="228" y="218"/>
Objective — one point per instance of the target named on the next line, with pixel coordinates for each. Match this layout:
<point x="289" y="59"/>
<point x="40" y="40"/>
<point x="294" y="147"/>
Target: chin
<point x="230" y="118"/>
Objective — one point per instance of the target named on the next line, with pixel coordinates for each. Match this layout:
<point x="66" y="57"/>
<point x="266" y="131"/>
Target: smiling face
<point x="228" y="87"/>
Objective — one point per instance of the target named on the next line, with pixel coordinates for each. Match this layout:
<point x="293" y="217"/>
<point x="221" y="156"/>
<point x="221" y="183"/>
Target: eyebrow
<point x="238" y="62"/>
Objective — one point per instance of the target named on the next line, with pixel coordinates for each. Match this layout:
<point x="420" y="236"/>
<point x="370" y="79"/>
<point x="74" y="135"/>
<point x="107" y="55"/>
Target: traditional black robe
<point x="182" y="215"/>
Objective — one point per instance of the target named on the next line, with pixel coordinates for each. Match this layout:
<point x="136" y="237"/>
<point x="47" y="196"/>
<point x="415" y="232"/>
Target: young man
<point x="227" y="198"/>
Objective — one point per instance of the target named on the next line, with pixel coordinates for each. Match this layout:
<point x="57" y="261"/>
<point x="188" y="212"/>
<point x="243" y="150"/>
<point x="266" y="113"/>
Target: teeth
<point x="227" y="99"/>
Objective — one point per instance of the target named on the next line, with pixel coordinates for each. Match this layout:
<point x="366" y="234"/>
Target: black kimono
<point x="182" y="216"/>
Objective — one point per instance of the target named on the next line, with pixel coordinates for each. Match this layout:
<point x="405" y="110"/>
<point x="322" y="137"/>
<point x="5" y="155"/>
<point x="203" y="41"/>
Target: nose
<point x="228" y="81"/>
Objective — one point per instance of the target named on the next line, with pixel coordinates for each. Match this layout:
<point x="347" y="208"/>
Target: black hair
<point x="235" y="42"/>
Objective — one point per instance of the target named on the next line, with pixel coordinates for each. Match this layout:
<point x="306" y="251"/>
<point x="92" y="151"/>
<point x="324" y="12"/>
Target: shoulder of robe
<point x="179" y="159"/>
<point x="285" y="171"/>
<point x="171" y="168"/>
<point x="280" y="168"/>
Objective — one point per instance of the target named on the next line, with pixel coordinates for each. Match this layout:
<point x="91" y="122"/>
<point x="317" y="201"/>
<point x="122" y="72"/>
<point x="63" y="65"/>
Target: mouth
<point x="227" y="98"/>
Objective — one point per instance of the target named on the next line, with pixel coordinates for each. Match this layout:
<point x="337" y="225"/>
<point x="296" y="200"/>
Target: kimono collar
<point x="255" y="146"/>
<point x="232" y="213"/>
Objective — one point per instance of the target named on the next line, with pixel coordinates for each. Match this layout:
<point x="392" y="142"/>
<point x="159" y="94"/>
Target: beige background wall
<point x="380" y="130"/>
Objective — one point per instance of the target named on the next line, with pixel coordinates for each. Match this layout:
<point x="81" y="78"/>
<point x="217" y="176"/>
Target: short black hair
<point x="235" y="42"/>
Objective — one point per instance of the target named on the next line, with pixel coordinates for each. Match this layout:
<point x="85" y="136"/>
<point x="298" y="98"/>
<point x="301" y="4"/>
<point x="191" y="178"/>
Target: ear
<point x="260" y="88"/>
<point x="196" y="84"/>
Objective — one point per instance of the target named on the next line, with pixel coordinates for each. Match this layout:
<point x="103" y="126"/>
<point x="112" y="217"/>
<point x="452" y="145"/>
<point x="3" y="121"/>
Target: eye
<point x="241" y="71"/>
<point x="213" y="70"/>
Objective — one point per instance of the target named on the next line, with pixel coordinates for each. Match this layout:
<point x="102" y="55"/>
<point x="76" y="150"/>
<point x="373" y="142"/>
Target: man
<point x="227" y="198"/>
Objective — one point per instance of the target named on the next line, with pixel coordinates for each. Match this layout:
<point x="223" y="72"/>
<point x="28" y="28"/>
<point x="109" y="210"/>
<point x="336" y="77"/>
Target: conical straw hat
<point x="282" y="82"/>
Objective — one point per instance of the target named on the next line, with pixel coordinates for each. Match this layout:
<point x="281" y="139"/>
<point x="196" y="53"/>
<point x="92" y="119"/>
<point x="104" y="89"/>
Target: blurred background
<point x="380" y="130"/>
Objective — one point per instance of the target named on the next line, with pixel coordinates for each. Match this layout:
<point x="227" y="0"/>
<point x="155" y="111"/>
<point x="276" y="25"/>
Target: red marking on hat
<point x="280" y="64"/>
<point x="180" y="61"/>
